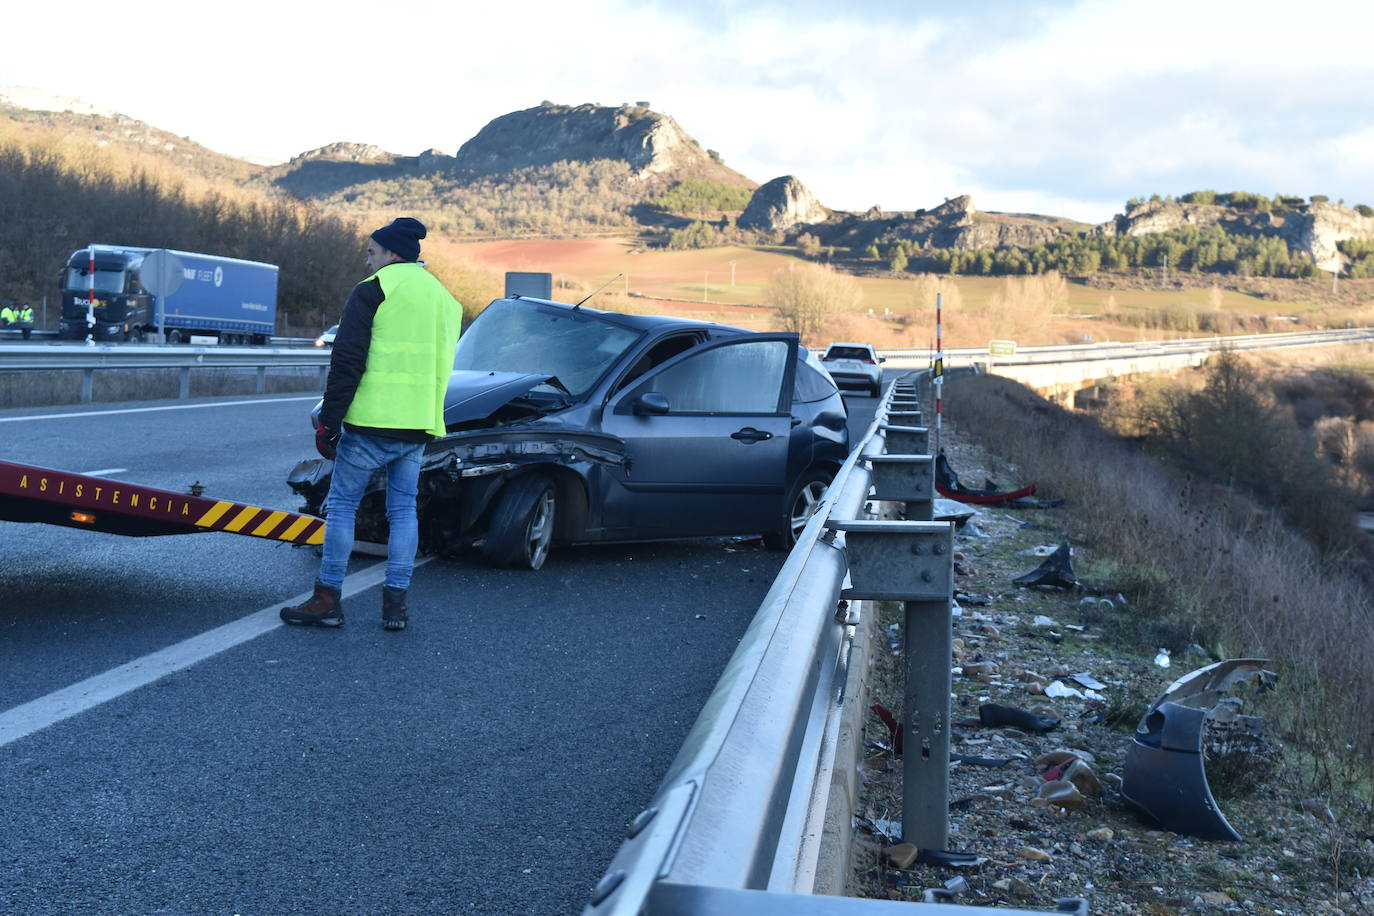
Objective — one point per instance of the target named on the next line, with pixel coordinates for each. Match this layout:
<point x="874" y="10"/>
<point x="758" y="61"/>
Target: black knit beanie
<point x="402" y="236"/>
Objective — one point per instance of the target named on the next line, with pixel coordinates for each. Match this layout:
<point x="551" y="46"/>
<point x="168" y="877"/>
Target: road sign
<point x="161" y="273"/>
<point x="939" y="368"/>
<point x="1001" y="348"/>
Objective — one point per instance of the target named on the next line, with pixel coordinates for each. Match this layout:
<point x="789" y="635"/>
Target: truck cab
<point x="122" y="307"/>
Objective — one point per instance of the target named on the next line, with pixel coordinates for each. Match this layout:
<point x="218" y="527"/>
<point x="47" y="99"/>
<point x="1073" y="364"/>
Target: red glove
<point x="325" y="440"/>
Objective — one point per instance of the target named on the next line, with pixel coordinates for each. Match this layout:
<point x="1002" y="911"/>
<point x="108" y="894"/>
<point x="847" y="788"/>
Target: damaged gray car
<point x="573" y="425"/>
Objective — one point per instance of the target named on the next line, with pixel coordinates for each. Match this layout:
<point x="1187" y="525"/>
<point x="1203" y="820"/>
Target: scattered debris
<point x="992" y="715"/>
<point x="1162" y="659"/>
<point x="1055" y="572"/>
<point x="903" y="855"/>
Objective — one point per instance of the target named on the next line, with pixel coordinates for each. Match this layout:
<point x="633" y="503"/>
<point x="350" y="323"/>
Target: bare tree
<point x="805" y="295"/>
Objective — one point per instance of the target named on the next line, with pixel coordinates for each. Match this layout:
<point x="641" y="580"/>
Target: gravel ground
<point x="1301" y="851"/>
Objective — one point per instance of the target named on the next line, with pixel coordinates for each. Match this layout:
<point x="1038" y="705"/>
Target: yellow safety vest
<point x="409" y="361"/>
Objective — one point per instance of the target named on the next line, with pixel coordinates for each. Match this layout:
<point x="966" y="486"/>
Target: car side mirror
<point x="650" y="404"/>
<point x="882" y="359"/>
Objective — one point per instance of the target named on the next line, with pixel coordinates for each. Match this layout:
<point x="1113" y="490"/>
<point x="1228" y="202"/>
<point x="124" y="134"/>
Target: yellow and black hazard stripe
<point x="254" y="521"/>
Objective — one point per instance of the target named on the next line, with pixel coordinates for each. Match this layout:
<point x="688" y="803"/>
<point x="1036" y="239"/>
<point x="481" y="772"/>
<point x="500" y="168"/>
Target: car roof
<point x="840" y="343"/>
<point x="638" y="322"/>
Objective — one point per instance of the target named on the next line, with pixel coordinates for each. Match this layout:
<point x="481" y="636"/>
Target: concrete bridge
<point x="1062" y="372"/>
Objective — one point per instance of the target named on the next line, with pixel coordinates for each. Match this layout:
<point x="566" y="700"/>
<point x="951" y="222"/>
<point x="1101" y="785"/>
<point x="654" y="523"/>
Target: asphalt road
<point x="485" y="760"/>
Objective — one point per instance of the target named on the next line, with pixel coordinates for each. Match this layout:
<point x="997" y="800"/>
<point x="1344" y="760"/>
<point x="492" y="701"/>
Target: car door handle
<point x="796" y="421"/>
<point x="749" y="434"/>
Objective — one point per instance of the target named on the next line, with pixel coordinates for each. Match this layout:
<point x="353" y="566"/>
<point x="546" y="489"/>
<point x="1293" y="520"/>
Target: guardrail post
<point x="907" y="440"/>
<point x="904" y="417"/>
<point x="87" y="384"/>
<point x="185" y="388"/>
<point x="913" y="562"/>
<point x="262" y="379"/>
<point x="324" y="376"/>
<point x="907" y="479"/>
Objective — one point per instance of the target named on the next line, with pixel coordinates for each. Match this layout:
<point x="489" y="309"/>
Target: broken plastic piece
<point x="994" y="716"/>
<point x="946" y="858"/>
<point x="1055" y="572"/>
<point x="894" y="728"/>
<point x="1165" y="779"/>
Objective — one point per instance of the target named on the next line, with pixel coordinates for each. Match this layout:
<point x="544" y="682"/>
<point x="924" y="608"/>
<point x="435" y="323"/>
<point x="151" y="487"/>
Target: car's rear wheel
<point x="521" y="528"/>
<point x="875" y="389"/>
<point x="802" y="502"/>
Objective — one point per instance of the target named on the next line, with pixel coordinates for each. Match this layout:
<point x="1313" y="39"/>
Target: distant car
<point x="327" y="338"/>
<point x="854" y="365"/>
<point x="567" y="424"/>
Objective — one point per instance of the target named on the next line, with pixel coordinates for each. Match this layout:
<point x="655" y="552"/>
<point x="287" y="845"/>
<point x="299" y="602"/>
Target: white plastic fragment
<point x="1059" y="689"/>
<point x="1162" y="659"/>
<point x="1042" y="621"/>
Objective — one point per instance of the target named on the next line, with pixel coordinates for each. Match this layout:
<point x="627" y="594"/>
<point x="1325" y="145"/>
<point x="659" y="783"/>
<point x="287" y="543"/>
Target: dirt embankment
<point x="1011" y="644"/>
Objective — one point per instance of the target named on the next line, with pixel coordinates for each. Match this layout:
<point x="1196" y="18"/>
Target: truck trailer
<point x="221" y="300"/>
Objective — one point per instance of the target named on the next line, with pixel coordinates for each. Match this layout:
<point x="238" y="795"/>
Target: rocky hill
<point x="515" y="165"/>
<point x="1313" y="228"/>
<point x="652" y="144"/>
<point x="956" y="224"/>
<point x="30" y="117"/>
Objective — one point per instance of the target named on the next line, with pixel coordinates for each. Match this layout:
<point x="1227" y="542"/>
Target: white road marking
<point x="104" y="472"/>
<point x="104" y="413"/>
<point x="38" y="714"/>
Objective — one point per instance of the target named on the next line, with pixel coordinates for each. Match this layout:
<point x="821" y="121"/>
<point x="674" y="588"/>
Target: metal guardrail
<point x="735" y="826"/>
<point x="102" y="357"/>
<point x="1109" y="350"/>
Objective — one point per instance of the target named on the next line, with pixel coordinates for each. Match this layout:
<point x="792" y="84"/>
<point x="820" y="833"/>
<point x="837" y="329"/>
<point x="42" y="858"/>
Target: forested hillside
<point x="52" y="204"/>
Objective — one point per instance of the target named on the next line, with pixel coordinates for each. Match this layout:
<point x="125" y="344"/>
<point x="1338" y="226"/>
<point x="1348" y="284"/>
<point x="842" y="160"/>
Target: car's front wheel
<point x="802" y="502"/>
<point x="521" y="528"/>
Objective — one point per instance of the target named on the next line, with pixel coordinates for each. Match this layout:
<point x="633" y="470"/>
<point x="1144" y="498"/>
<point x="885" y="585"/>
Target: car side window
<point x="811" y="385"/>
<point x="659" y="354"/>
<point x="738" y="378"/>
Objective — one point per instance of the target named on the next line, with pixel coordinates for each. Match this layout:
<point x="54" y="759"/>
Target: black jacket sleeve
<point x="349" y="358"/>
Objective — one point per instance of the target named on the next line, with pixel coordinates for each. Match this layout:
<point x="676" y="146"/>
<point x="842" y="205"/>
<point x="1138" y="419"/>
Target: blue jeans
<point x="358" y="455"/>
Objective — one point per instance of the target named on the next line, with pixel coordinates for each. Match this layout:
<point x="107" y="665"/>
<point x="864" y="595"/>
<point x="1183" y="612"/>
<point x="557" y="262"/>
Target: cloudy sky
<point x="1067" y="108"/>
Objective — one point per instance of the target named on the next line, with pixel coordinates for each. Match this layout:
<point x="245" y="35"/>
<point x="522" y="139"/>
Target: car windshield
<point x="848" y="353"/>
<point x="513" y="335"/>
<point x="106" y="281"/>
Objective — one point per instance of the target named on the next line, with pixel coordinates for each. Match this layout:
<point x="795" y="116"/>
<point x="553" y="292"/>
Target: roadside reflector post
<point x="913" y="562"/>
<point x="906" y="440"/>
<point x="907" y="479"/>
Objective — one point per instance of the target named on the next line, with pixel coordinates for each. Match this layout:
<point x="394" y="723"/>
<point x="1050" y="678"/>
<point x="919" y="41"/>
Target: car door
<point x="707" y="436"/>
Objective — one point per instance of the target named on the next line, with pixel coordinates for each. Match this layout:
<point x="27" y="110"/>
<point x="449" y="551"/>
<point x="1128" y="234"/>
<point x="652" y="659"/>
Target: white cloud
<point x="1076" y="106"/>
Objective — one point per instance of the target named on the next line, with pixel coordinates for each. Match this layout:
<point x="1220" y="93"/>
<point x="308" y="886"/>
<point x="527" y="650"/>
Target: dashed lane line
<point x="35" y="715"/>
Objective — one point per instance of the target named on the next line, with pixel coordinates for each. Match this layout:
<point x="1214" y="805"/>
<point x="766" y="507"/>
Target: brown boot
<point x="323" y="609"/>
<point x="395" y="611"/>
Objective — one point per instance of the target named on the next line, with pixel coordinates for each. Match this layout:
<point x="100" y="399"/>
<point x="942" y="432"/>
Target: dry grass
<point x="1224" y="574"/>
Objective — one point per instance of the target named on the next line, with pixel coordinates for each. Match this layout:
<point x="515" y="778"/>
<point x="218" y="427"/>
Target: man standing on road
<point x="383" y="401"/>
